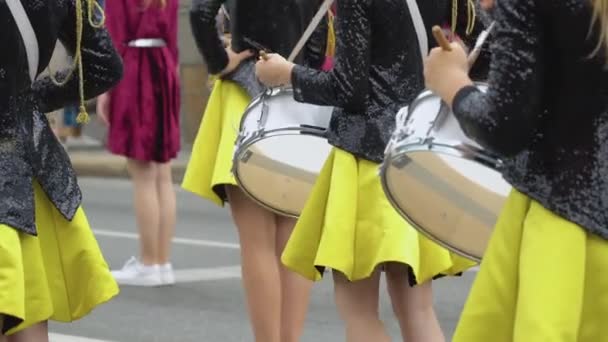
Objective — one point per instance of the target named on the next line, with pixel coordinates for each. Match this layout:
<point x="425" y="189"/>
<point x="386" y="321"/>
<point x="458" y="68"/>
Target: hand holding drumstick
<point x="446" y="69"/>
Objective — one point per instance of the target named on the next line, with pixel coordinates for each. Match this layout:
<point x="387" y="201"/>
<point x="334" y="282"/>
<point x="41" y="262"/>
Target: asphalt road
<point x="207" y="303"/>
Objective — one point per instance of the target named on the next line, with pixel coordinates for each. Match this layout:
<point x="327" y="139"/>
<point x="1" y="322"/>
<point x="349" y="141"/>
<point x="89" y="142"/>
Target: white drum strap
<point x="423" y="41"/>
<point x="310" y="29"/>
<point x="27" y="34"/>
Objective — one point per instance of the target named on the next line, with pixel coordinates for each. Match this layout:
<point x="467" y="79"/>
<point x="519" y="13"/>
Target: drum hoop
<point x="427" y="93"/>
<point x="412" y="222"/>
<point x="472" y="153"/>
<point x="263" y="134"/>
<point x="269" y="92"/>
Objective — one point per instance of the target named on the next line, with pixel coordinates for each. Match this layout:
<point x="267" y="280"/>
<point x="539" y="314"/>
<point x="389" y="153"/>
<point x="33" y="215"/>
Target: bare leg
<point x="166" y="196"/>
<point x="413" y="306"/>
<point x="146" y="205"/>
<point x="358" y="307"/>
<point x="295" y="289"/>
<point x="35" y="333"/>
<point x="261" y="279"/>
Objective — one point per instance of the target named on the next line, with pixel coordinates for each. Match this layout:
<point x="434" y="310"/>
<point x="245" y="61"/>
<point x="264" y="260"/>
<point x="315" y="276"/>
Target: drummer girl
<point x="277" y="299"/>
<point x="546" y="112"/>
<point x="348" y="224"/>
<point x="51" y="267"/>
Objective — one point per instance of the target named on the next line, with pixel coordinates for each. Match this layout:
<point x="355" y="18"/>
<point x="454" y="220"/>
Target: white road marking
<point x="207" y="274"/>
<point x="179" y="241"/>
<point x="68" y="338"/>
<point x="201" y="274"/>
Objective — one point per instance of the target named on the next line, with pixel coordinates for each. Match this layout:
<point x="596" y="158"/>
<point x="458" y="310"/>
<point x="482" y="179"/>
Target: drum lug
<point x="245" y="157"/>
<point x="264" y="113"/>
<point x="401" y="161"/>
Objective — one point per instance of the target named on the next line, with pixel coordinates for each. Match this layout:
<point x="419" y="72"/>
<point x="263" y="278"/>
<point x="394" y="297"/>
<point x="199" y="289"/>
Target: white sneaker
<point x="167" y="276"/>
<point x="137" y="274"/>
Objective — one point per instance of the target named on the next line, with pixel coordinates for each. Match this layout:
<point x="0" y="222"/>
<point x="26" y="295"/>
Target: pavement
<point x="207" y="302"/>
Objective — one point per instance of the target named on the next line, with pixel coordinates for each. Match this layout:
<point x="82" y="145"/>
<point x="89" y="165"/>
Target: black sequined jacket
<point x="274" y="24"/>
<point x="28" y="148"/>
<point x="378" y="70"/>
<point x="546" y="110"/>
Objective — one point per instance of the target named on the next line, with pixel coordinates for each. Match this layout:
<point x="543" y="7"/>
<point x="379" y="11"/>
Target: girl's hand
<point x="486" y="4"/>
<point x="446" y="72"/>
<point x="274" y="70"/>
<point x="235" y="59"/>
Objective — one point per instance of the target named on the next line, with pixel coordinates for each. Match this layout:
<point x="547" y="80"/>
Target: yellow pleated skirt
<point x="210" y="165"/>
<point x="349" y="226"/>
<point x="58" y="275"/>
<point x="542" y="279"/>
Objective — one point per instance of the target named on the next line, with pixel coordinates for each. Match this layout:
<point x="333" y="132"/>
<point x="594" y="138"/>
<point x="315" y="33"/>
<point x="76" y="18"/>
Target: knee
<point x="165" y="174"/>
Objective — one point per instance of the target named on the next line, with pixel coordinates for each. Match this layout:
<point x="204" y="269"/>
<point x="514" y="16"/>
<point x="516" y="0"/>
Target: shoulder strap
<point x="27" y="34"/>
<point x="310" y="29"/>
<point x="419" y="27"/>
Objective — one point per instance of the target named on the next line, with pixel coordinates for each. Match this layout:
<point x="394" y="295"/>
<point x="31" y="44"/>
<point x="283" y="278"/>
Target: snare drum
<point x="281" y="149"/>
<point x="445" y="184"/>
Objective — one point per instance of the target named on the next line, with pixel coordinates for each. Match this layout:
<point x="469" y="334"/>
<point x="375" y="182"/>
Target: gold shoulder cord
<point x="83" y="116"/>
<point x="470" y="17"/>
<point x="330" y="49"/>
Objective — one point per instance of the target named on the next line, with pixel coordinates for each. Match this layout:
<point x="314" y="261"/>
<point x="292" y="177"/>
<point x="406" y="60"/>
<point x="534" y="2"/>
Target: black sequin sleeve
<point x="505" y="119"/>
<point x="202" y="22"/>
<point x="102" y="66"/>
<point x="346" y="85"/>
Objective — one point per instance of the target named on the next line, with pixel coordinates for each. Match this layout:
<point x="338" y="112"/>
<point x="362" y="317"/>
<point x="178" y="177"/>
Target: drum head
<point x="279" y="171"/>
<point x="453" y="200"/>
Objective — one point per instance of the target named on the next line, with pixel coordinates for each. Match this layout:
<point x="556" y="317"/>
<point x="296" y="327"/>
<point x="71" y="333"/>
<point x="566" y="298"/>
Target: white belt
<point x="147" y="43"/>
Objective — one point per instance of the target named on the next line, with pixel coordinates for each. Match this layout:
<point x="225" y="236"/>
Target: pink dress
<point x="145" y="105"/>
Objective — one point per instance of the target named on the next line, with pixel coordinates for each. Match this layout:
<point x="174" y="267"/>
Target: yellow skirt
<point x="210" y="166"/>
<point x="59" y="275"/>
<point x="542" y="279"/>
<point x="349" y="226"/>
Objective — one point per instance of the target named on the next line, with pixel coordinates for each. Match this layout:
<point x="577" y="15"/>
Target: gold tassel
<point x="330" y="50"/>
<point x="92" y="5"/>
<point x="471" y="16"/>
<point x="83" y="116"/>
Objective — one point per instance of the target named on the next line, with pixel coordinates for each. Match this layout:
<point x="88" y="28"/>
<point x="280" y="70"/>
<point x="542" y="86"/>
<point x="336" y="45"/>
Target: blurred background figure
<point x="142" y="113"/>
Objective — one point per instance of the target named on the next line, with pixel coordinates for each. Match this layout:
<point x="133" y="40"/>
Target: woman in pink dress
<point x="143" y="117"/>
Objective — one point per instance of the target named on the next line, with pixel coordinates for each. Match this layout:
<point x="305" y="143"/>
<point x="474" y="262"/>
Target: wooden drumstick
<point x="441" y="39"/>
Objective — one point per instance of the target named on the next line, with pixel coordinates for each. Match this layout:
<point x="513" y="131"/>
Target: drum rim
<point x="414" y="224"/>
<point x="242" y="146"/>
<point x="274" y="91"/>
<point x="427" y="93"/>
<point x="478" y="155"/>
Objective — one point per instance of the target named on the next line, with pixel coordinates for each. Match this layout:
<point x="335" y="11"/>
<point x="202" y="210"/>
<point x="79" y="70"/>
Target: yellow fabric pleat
<point x="540" y="280"/>
<point x="210" y="164"/>
<point x="59" y="275"/>
<point x="349" y="225"/>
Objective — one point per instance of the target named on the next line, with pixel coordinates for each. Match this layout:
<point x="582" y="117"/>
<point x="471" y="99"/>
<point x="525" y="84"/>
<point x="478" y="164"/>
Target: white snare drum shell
<point x="282" y="152"/>
<point x="442" y="182"/>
